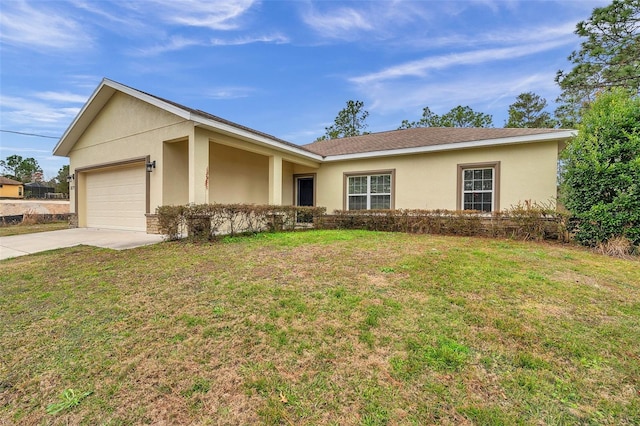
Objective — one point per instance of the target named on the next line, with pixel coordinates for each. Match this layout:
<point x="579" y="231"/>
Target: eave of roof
<point x="7" y="181"/>
<point x="542" y="137"/>
<point x="427" y="139"/>
<point x="107" y="88"/>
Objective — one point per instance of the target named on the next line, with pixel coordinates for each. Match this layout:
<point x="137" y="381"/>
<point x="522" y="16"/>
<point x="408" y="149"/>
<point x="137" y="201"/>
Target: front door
<point x="304" y="197"/>
<point x="304" y="191"/>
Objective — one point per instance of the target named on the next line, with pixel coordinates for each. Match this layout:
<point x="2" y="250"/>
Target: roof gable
<point x="107" y="88"/>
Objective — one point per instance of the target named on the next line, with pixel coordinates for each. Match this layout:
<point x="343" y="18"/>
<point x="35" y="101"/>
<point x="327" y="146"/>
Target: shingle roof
<point x="416" y="137"/>
<point x="206" y="115"/>
<point x="7" y="181"/>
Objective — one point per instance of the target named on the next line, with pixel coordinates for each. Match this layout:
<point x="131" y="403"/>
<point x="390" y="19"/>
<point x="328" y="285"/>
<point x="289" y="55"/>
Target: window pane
<point x="478" y="189"/>
<point x="380" y="202"/>
<point x="358" y="185"/>
<point x="381" y="184"/>
<point x="358" y="202"/>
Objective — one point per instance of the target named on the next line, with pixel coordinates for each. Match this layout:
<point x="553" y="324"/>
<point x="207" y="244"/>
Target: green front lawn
<point x="322" y="327"/>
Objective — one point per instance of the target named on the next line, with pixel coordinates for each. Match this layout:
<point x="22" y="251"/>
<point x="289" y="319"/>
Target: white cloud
<point x="217" y="15"/>
<point x="61" y="97"/>
<point x="337" y="23"/>
<point x="274" y="38"/>
<point x="21" y="111"/>
<point x="173" y="44"/>
<point x="41" y="28"/>
<point x="229" y="92"/>
<point x="420" y="68"/>
<point x="485" y="92"/>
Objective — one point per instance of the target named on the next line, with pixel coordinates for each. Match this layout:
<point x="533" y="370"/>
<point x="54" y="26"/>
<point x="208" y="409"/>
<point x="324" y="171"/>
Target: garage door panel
<point x="116" y="198"/>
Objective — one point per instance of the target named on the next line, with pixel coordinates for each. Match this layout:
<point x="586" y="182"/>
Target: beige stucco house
<point x="131" y="152"/>
<point x="10" y="188"/>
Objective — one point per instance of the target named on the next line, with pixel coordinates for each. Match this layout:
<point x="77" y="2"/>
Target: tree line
<point x="27" y="170"/>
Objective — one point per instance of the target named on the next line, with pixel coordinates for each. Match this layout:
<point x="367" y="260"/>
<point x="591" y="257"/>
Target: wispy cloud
<point x="273" y="38"/>
<point x="485" y="91"/>
<point x="65" y="97"/>
<point x="173" y="44"/>
<point x="23" y="111"/>
<point x="419" y="68"/>
<point x="337" y="22"/>
<point x="229" y="92"/>
<point x="217" y="15"/>
<point x="40" y="28"/>
<point x="176" y="43"/>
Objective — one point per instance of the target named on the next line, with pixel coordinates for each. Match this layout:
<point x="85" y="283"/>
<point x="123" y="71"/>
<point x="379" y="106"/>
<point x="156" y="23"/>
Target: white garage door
<point x="116" y="198"/>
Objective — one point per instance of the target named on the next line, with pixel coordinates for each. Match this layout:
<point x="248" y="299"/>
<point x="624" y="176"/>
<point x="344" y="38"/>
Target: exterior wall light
<point x="71" y="177"/>
<point x="150" y="166"/>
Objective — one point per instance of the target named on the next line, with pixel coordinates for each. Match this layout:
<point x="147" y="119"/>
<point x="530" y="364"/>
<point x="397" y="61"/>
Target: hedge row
<point x="206" y="221"/>
<point x="527" y="222"/>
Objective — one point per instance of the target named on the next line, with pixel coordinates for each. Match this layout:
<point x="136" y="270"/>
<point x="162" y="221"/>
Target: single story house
<point x="131" y="152"/>
<point x="10" y="188"/>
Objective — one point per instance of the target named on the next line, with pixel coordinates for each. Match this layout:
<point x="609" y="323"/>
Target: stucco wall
<point x="237" y="176"/>
<point x="11" y="191"/>
<point x="127" y="128"/>
<point x="429" y="181"/>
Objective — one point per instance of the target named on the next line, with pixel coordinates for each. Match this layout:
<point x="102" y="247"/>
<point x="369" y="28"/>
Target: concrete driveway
<point x="20" y="245"/>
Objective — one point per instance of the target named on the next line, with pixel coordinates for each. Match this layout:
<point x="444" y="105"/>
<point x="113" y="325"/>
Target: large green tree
<point x="609" y="56"/>
<point x="528" y="112"/>
<point x="20" y="168"/>
<point x="601" y="179"/>
<point x="350" y="121"/>
<point x="457" y="117"/>
<point x="60" y="181"/>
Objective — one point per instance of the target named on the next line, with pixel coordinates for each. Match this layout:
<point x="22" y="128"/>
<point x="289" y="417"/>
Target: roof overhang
<point x="560" y="135"/>
<point x="228" y="129"/>
<point x="108" y="88"/>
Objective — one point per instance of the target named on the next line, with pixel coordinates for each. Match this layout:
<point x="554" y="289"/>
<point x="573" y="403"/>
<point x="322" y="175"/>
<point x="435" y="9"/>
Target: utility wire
<point x="29" y="134"/>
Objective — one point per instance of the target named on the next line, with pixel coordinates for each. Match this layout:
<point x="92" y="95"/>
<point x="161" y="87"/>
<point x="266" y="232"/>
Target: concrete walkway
<point x="20" y="245"/>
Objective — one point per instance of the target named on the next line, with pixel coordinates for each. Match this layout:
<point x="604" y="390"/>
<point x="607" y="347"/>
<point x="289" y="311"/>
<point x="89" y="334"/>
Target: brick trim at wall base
<point x="73" y="220"/>
<point x="153" y="224"/>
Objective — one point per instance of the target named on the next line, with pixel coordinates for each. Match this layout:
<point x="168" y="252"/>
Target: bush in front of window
<point x="525" y="221"/>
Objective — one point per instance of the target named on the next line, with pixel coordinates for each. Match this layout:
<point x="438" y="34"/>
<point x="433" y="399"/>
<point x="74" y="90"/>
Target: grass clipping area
<point x="321" y="327"/>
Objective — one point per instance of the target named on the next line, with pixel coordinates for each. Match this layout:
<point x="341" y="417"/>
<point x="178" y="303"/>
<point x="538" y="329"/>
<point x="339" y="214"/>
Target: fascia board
<point x="252" y="137"/>
<point x="561" y="135"/>
<point x="76" y="123"/>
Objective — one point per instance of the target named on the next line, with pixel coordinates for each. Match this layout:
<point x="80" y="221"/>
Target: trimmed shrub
<point x="206" y="221"/>
<point x="524" y="221"/>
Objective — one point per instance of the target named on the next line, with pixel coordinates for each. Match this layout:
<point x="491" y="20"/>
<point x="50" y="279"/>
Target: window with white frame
<point x="367" y="192"/>
<point x="478" y="189"/>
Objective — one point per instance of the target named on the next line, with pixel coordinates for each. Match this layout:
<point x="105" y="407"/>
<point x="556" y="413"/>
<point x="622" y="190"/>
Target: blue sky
<point x="282" y="67"/>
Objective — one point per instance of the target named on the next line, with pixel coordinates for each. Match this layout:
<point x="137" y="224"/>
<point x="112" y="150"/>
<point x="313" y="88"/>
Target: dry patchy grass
<point x="31" y="228"/>
<point x="322" y="327"/>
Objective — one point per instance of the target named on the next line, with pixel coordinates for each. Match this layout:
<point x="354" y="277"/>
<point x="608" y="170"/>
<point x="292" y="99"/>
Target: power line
<point x="29" y="134"/>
